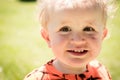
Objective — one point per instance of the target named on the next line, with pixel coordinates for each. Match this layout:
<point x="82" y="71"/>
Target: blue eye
<point x="65" y="29"/>
<point x="88" y="28"/>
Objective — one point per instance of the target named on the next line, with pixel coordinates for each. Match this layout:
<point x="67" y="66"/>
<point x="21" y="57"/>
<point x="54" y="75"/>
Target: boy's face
<point x="75" y="36"/>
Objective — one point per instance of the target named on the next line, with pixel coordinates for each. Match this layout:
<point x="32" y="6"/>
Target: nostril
<point x="78" y="42"/>
<point x="78" y="39"/>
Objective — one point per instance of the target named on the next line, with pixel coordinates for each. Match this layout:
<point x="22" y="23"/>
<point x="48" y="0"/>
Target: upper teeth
<point x="78" y="50"/>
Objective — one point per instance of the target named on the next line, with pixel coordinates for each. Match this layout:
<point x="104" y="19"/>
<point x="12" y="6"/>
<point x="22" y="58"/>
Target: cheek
<point x="95" y="45"/>
<point x="95" y="41"/>
<point x="58" y="45"/>
<point x="58" y="41"/>
<point x="94" y="37"/>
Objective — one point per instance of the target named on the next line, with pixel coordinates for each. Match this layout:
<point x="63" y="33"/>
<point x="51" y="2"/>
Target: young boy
<point x="74" y="30"/>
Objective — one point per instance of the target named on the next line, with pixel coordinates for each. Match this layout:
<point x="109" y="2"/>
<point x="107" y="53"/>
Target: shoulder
<point x="41" y="73"/>
<point x="36" y="74"/>
<point x="97" y="66"/>
<point x="99" y="69"/>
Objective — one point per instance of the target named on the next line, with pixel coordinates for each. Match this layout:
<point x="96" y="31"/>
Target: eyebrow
<point x="90" y="22"/>
<point x="65" y="21"/>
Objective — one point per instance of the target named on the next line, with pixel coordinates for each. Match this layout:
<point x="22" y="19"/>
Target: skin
<point x="75" y="37"/>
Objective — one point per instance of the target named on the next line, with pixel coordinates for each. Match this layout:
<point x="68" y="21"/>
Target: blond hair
<point x="47" y="6"/>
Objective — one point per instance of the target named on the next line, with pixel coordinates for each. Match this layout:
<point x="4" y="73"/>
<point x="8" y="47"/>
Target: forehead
<point x="71" y="17"/>
<point x="77" y="14"/>
<point x="78" y="8"/>
<point x="89" y="6"/>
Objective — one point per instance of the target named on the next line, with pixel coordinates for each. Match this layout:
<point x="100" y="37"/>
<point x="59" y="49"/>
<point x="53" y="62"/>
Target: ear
<point x="105" y="32"/>
<point x="45" y="35"/>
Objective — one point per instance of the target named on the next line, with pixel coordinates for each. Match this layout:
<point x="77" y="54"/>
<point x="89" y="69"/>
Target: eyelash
<point x="68" y="29"/>
<point x="88" y="29"/>
<point x="65" y="29"/>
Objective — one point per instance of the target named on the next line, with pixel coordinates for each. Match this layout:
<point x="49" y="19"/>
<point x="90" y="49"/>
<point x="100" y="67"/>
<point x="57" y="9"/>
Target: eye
<point x="88" y="28"/>
<point x="65" y="29"/>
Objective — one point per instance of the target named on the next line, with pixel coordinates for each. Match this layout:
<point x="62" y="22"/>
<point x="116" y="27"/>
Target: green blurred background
<point x="22" y="49"/>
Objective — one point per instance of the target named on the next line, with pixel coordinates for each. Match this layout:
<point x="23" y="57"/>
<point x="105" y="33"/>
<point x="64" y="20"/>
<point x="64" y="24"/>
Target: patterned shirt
<point x="95" y="71"/>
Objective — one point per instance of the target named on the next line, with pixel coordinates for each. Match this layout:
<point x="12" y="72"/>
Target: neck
<point x="67" y="69"/>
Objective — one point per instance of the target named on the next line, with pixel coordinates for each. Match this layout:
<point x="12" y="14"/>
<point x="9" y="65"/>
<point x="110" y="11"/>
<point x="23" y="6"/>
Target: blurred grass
<point x="22" y="48"/>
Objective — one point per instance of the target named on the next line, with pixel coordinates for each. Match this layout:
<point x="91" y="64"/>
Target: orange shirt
<point x="95" y="71"/>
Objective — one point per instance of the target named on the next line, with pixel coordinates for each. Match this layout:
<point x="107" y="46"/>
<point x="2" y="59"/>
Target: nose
<point x="78" y="39"/>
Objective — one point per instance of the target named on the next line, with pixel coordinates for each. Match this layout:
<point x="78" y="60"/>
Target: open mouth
<point x="78" y="52"/>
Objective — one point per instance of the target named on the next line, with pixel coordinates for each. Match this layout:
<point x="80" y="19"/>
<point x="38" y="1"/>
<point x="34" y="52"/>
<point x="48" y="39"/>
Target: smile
<point x="78" y="52"/>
